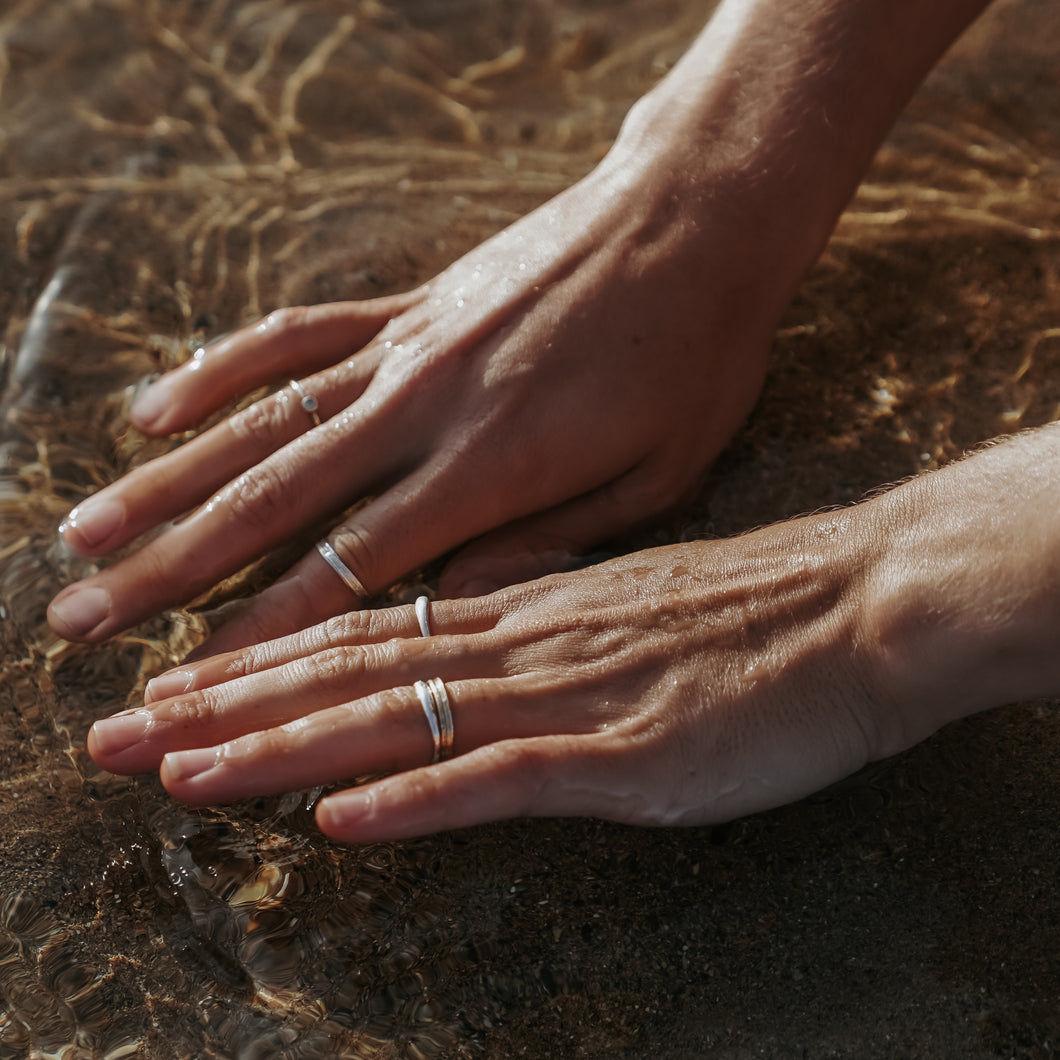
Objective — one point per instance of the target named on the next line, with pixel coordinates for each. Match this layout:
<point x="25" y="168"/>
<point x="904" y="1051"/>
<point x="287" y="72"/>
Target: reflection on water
<point x="169" y="171"/>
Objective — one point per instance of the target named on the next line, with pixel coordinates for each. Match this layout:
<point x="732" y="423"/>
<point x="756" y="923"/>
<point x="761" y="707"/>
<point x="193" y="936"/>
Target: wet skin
<point x="688" y="684"/>
<point x="568" y="379"/>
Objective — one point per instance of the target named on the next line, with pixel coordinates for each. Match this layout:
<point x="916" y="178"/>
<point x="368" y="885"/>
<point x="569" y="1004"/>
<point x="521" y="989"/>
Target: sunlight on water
<point x="173" y="171"/>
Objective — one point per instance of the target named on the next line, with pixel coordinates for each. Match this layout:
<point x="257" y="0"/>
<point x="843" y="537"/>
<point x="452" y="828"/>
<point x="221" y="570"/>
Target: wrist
<point x="776" y="110"/>
<point x="964" y="598"/>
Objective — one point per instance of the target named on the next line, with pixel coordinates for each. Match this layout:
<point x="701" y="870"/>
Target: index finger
<point x="296" y="339"/>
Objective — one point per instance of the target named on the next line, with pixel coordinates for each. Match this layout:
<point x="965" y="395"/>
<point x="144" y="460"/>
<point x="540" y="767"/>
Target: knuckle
<point x="263" y="652"/>
<point x="261" y="497"/>
<point x="392" y="655"/>
<point x="265" y="419"/>
<point x="192" y="711"/>
<point x="240" y="665"/>
<point x="266" y="744"/>
<point x="285" y="319"/>
<point x="391" y="706"/>
<point x="352" y="626"/>
<point x="326" y="668"/>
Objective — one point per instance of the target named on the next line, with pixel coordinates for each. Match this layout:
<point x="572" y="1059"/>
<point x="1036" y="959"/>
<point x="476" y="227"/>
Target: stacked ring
<point x="435" y="702"/>
<point x="444" y="748"/>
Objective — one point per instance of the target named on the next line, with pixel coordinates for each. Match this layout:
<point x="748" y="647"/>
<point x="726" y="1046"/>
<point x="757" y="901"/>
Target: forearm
<point x="778" y="107"/>
<point x="965" y="601"/>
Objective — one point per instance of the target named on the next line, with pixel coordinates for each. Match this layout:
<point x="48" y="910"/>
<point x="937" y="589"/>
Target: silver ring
<point x="331" y="558"/>
<point x="309" y="403"/>
<point x="445" y="719"/>
<point x="427" y="702"/>
<point x="423" y="615"/>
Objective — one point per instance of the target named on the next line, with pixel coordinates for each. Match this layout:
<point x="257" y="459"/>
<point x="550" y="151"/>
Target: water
<point x="171" y="171"/>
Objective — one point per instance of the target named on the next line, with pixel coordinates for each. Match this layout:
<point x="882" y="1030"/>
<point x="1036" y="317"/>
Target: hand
<point x="687" y="684"/>
<point x="661" y="688"/>
<point x="572" y="377"/>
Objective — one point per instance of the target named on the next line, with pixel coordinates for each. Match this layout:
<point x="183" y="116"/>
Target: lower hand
<point x="688" y="684"/>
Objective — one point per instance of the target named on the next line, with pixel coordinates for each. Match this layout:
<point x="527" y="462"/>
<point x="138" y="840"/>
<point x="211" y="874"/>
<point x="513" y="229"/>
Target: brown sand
<point x="171" y="170"/>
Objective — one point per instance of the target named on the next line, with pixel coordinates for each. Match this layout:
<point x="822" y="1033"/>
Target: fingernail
<point x="150" y="405"/>
<point x="95" y="521"/>
<point x="184" y="765"/>
<point x="164" y="686"/>
<point x="75" y="612"/>
<point x="338" y="813"/>
<point x="478" y="587"/>
<point x="113" y="735"/>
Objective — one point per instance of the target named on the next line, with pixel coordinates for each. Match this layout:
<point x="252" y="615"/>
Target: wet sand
<point x="171" y="171"/>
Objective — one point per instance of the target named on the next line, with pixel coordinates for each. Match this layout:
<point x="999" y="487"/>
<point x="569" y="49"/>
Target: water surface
<point x="169" y="171"/>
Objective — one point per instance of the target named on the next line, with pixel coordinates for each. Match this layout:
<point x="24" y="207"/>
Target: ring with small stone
<point x="308" y="402"/>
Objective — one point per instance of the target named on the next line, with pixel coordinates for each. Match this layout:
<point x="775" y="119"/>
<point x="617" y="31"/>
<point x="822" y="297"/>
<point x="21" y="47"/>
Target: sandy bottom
<point x="171" y="171"/>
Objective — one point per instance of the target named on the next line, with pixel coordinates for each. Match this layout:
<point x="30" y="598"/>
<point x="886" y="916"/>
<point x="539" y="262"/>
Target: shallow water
<point x="169" y="171"/>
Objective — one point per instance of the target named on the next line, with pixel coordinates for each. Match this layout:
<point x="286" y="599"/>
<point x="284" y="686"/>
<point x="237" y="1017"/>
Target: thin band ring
<point x="308" y="402"/>
<point x="331" y="558"/>
<point x="445" y="718"/>
<point x="423" y="615"/>
<point x="427" y="702"/>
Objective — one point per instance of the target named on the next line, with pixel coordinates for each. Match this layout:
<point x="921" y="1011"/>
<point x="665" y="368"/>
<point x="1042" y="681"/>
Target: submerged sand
<point x="169" y="171"/>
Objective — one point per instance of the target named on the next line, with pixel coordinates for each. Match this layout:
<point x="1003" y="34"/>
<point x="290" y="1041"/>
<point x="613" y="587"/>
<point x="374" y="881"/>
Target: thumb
<point x="558" y="539"/>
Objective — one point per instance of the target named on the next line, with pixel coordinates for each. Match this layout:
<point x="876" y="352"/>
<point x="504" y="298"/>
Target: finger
<point x="344" y="630"/>
<point x="135" y="741"/>
<point x="380" y="732"/>
<point x="550" y="776"/>
<point x="553" y="540"/>
<point x="172" y="484"/>
<point x="303" y="483"/>
<point x="423" y="516"/>
<point x="384" y="731"/>
<point x="291" y="341"/>
<point x="313" y="591"/>
<point x="306" y="595"/>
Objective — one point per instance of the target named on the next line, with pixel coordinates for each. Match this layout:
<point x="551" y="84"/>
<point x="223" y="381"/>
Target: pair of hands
<point x="561" y="383"/>
<point x="575" y="375"/>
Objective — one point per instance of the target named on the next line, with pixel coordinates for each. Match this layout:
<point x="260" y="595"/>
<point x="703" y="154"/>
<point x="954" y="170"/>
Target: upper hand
<point x="573" y="376"/>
